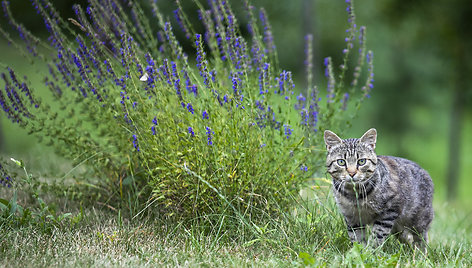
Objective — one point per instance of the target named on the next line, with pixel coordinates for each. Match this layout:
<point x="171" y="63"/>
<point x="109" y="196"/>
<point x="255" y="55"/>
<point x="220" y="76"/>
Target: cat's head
<point x="351" y="160"/>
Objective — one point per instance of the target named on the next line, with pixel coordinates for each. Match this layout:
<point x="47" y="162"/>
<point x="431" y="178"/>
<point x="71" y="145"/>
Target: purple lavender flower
<point x="282" y="78"/>
<point x="166" y="72"/>
<point x="239" y="57"/>
<point x="350" y="12"/>
<point x="190" y="131"/>
<point x="260" y="105"/>
<point x="209" y="134"/>
<point x="261" y="82"/>
<point x="326" y="62"/>
<point x="285" y="82"/>
<point x="370" y="79"/>
<point x="369" y="57"/>
<point x="191" y="88"/>
<point x="213" y="75"/>
<point x="240" y="103"/>
<point x="176" y="48"/>
<point x="177" y="88"/>
<point x="123" y="95"/>
<point x="109" y="69"/>
<point x="288" y="131"/>
<point x="24" y="88"/>
<point x="135" y="142"/>
<point x="15" y="108"/>
<point x="153" y="128"/>
<point x="175" y="74"/>
<point x="268" y="37"/>
<point x="180" y="21"/>
<point x="210" y="34"/>
<point x="9" y="111"/>
<point x="219" y="41"/>
<point x="149" y="59"/>
<point x="194" y="89"/>
<point x="266" y="69"/>
<point x="301" y="102"/>
<point x="5" y="179"/>
<point x="190" y="108"/>
<point x="235" y="80"/>
<point x="313" y="116"/>
<point x="27" y="37"/>
<point x="201" y="60"/>
<point x="257" y="56"/>
<point x="205" y="115"/>
<point x="304" y="117"/>
<point x="188" y="82"/>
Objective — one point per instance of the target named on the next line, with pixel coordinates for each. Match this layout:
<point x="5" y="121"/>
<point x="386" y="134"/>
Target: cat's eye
<point x="341" y="162"/>
<point x="361" y="162"/>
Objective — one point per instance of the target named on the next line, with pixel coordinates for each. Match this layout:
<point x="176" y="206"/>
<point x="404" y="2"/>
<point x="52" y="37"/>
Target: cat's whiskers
<point x="365" y="192"/>
<point x="339" y="185"/>
<point x="373" y="183"/>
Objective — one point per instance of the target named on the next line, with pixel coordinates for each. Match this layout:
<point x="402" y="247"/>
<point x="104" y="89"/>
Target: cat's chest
<point x="365" y="209"/>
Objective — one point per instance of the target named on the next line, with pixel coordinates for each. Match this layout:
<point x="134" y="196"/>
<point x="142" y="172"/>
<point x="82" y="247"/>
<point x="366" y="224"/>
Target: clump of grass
<point x="221" y="132"/>
<point x="26" y="207"/>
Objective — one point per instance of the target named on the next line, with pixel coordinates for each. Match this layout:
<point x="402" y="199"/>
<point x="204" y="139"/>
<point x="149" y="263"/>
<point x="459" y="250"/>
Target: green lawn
<point x="315" y="236"/>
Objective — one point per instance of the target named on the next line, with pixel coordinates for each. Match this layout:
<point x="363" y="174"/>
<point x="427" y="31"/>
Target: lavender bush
<point x="197" y="135"/>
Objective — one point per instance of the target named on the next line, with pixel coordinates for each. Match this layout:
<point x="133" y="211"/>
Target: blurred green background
<point x="421" y="102"/>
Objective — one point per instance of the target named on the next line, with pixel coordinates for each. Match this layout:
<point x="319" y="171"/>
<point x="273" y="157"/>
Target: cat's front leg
<point x="383" y="226"/>
<point x="357" y="233"/>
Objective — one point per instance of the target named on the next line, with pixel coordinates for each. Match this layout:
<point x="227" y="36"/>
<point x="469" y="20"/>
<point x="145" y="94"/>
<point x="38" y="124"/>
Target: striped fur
<point x="392" y="195"/>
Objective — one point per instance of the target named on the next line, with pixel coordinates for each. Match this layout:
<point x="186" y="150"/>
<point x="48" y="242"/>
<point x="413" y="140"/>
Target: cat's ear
<point x="370" y="137"/>
<point x="331" y="139"/>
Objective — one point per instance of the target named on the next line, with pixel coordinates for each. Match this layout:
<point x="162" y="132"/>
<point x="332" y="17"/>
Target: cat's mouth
<point x="354" y="180"/>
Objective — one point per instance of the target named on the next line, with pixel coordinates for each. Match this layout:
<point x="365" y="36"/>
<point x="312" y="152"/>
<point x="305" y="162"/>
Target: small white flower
<point x="19" y="163"/>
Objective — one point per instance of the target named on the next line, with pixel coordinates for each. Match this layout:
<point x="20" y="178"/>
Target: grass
<point x="312" y="234"/>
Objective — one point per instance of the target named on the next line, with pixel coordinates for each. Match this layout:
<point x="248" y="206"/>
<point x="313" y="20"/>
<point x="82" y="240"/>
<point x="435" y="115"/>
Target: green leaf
<point x="13" y="205"/>
<point x="307" y="258"/>
<point x="3" y="204"/>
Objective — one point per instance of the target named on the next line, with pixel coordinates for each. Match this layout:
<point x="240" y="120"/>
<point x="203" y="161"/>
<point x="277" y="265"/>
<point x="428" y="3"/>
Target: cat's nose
<point x="351" y="172"/>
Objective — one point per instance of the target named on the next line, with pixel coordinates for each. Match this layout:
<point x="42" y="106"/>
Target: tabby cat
<point x="391" y="194"/>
